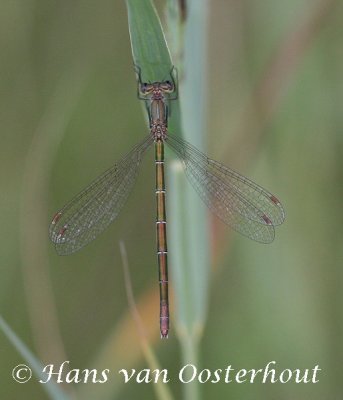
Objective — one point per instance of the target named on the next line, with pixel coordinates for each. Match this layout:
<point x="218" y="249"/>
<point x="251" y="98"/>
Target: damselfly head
<point x="156" y="88"/>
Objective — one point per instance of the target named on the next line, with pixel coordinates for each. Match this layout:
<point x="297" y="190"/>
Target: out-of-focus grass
<point x="52" y="389"/>
<point x="280" y="302"/>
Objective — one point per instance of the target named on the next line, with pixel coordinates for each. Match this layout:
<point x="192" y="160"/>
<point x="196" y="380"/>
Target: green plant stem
<point x="189" y="226"/>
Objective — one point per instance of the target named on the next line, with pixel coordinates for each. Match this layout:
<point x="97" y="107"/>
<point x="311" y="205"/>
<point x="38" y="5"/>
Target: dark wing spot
<point x="274" y="200"/>
<point x="56" y="217"/>
<point x="62" y="231"/>
<point x="266" y="220"/>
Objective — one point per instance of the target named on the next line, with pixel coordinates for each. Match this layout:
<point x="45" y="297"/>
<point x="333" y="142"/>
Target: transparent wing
<point x="239" y="202"/>
<point x="90" y="212"/>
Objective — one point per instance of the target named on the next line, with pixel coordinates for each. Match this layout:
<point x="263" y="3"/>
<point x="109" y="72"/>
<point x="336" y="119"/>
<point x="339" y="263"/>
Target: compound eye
<point x="168" y="85"/>
<point x="144" y="87"/>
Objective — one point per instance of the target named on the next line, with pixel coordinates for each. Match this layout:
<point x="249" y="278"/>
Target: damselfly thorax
<point x="156" y="97"/>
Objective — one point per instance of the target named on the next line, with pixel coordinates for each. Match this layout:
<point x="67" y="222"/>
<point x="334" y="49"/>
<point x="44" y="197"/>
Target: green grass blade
<point x="193" y="103"/>
<point x="190" y="257"/>
<point x="149" y="48"/>
<point x="53" y="391"/>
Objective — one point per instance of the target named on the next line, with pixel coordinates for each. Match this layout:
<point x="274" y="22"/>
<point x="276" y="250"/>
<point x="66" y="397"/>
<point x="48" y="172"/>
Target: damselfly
<point x="246" y="207"/>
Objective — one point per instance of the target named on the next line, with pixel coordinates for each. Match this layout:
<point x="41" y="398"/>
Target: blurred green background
<point x="69" y="110"/>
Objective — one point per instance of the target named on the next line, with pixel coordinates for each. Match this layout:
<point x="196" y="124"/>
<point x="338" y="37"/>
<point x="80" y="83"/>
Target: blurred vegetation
<point x="69" y="110"/>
